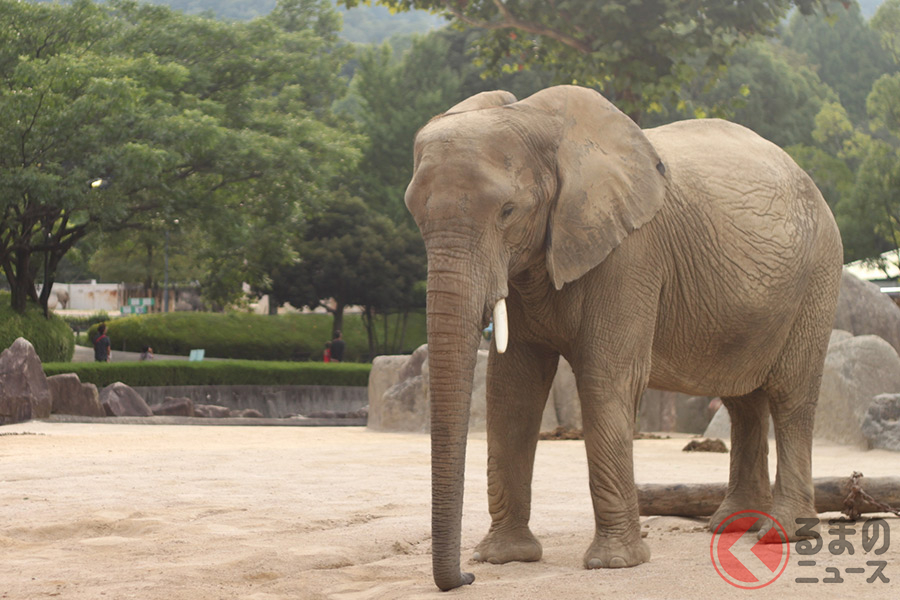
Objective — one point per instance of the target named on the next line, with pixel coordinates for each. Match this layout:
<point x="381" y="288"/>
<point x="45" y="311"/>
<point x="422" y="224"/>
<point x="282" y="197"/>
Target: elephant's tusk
<point x="501" y="326"/>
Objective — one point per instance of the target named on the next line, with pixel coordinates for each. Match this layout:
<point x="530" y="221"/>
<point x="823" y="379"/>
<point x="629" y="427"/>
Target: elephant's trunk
<point x="455" y="309"/>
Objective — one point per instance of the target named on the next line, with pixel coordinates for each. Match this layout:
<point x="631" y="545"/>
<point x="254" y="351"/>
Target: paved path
<point x="84" y="354"/>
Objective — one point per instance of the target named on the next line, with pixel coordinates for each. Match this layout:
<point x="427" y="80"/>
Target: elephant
<point x="694" y="257"/>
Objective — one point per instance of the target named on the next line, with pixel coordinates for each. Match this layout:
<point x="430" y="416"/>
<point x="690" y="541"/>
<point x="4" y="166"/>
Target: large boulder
<point x="385" y="373"/>
<point x="864" y="310"/>
<point x="71" y="397"/>
<point x="402" y="408"/>
<point x="857" y="369"/>
<point x="24" y="392"/>
<point x="405" y="405"/>
<point x="173" y="407"/>
<point x="120" y="400"/>
<point x="211" y="411"/>
<point x="881" y="425"/>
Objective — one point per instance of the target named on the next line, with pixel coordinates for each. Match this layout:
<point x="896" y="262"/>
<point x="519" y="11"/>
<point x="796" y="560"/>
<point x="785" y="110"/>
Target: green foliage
<point x="80" y="323"/>
<point x="182" y="118"/>
<point x="231" y="372"/>
<point x="639" y="54"/>
<point x="843" y="50"/>
<point x="52" y="339"/>
<point x="355" y="256"/>
<point x="245" y="336"/>
<point x="857" y="166"/>
<point x="766" y="88"/>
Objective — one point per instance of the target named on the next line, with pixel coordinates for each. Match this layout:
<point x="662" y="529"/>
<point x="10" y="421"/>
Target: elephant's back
<point x="743" y="231"/>
<point x="729" y="182"/>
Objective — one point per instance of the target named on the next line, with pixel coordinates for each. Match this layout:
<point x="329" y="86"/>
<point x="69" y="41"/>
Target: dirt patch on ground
<point x="93" y="511"/>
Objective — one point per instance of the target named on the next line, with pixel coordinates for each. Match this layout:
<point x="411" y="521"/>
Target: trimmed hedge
<point x="291" y="337"/>
<point x="219" y="372"/>
<point x="52" y="339"/>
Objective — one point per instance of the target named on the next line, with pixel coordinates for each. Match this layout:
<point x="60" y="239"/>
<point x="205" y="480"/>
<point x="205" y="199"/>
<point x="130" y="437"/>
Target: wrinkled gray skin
<point x="695" y="257"/>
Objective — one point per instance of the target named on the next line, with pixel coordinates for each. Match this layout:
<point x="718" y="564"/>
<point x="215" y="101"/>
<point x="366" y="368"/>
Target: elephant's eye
<point x="507" y="210"/>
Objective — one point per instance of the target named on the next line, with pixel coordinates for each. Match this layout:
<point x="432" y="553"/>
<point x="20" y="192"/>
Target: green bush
<point x="80" y="323"/>
<point x="52" y="339"/>
<point x="291" y="337"/>
<point x="219" y="372"/>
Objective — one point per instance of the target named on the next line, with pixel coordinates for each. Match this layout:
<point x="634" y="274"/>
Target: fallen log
<point x="702" y="499"/>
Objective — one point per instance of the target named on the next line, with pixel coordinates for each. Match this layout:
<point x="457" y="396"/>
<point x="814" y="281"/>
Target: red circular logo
<point x="742" y="560"/>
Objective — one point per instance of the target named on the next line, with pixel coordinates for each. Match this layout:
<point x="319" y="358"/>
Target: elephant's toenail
<point x="477" y="556"/>
<point x="595" y="563"/>
<point x="617" y="563"/>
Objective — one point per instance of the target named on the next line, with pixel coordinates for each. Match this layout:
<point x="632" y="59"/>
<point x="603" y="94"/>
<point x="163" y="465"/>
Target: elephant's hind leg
<point x="517" y="388"/>
<point x="793" y="389"/>
<point x="748" y="481"/>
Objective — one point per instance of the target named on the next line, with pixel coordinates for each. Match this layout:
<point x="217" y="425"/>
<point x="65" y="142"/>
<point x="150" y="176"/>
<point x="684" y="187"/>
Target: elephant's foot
<point x="615" y="553"/>
<point x="500" y="547"/>
<point x="787" y="517"/>
<point x="734" y="505"/>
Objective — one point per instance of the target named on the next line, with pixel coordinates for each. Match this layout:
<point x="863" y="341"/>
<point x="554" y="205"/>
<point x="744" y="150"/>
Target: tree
<point x="777" y="95"/>
<point x="845" y="52"/>
<point x="397" y="99"/>
<point x="353" y="256"/>
<point x="639" y="54"/>
<point x="69" y="111"/>
<point x="868" y="213"/>
<point x="170" y="116"/>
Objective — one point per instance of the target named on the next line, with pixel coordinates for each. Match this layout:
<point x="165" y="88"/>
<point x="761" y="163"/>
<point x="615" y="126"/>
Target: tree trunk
<point x="702" y="499"/>
<point x="337" y="323"/>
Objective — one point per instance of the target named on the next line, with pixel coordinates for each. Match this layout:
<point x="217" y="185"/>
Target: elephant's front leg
<point x="608" y="413"/>
<point x="518" y="384"/>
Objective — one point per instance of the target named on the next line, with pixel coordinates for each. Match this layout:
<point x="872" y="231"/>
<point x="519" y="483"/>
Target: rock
<point x="413" y="365"/>
<point x="361" y="413"/>
<point x="174" y="407"/>
<point x="71" y="397"/>
<point x="24" y="391"/>
<point x="864" y="310"/>
<point x="249" y="413"/>
<point x="719" y="426"/>
<point x="384" y="374"/>
<point x="211" y="411"/>
<point x="120" y="400"/>
<point x="881" y="425"/>
<point x="324" y="414"/>
<point x="403" y="407"/>
<point x="857" y="369"/>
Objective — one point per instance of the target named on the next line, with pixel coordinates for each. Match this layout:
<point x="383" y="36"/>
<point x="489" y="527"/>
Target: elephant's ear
<point x="483" y="100"/>
<point x="611" y="180"/>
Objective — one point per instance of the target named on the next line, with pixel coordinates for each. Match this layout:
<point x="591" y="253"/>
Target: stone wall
<point x="273" y="401"/>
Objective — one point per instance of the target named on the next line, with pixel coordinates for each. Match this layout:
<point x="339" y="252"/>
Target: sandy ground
<point x="97" y="511"/>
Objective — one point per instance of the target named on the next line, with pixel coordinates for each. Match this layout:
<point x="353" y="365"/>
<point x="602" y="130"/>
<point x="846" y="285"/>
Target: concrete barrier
<point x="273" y="401"/>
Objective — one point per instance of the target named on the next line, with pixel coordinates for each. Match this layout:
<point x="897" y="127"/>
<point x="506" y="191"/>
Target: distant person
<point x="147" y="353"/>
<point x="337" y="347"/>
<point x="102" y="345"/>
<point x="326" y="356"/>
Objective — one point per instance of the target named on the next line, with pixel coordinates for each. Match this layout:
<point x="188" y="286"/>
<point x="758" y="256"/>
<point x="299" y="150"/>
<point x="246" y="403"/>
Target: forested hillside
<point x="364" y="24"/>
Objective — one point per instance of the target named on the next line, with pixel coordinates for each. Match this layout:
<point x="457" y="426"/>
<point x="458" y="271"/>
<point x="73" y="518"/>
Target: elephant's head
<point x="558" y="179"/>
